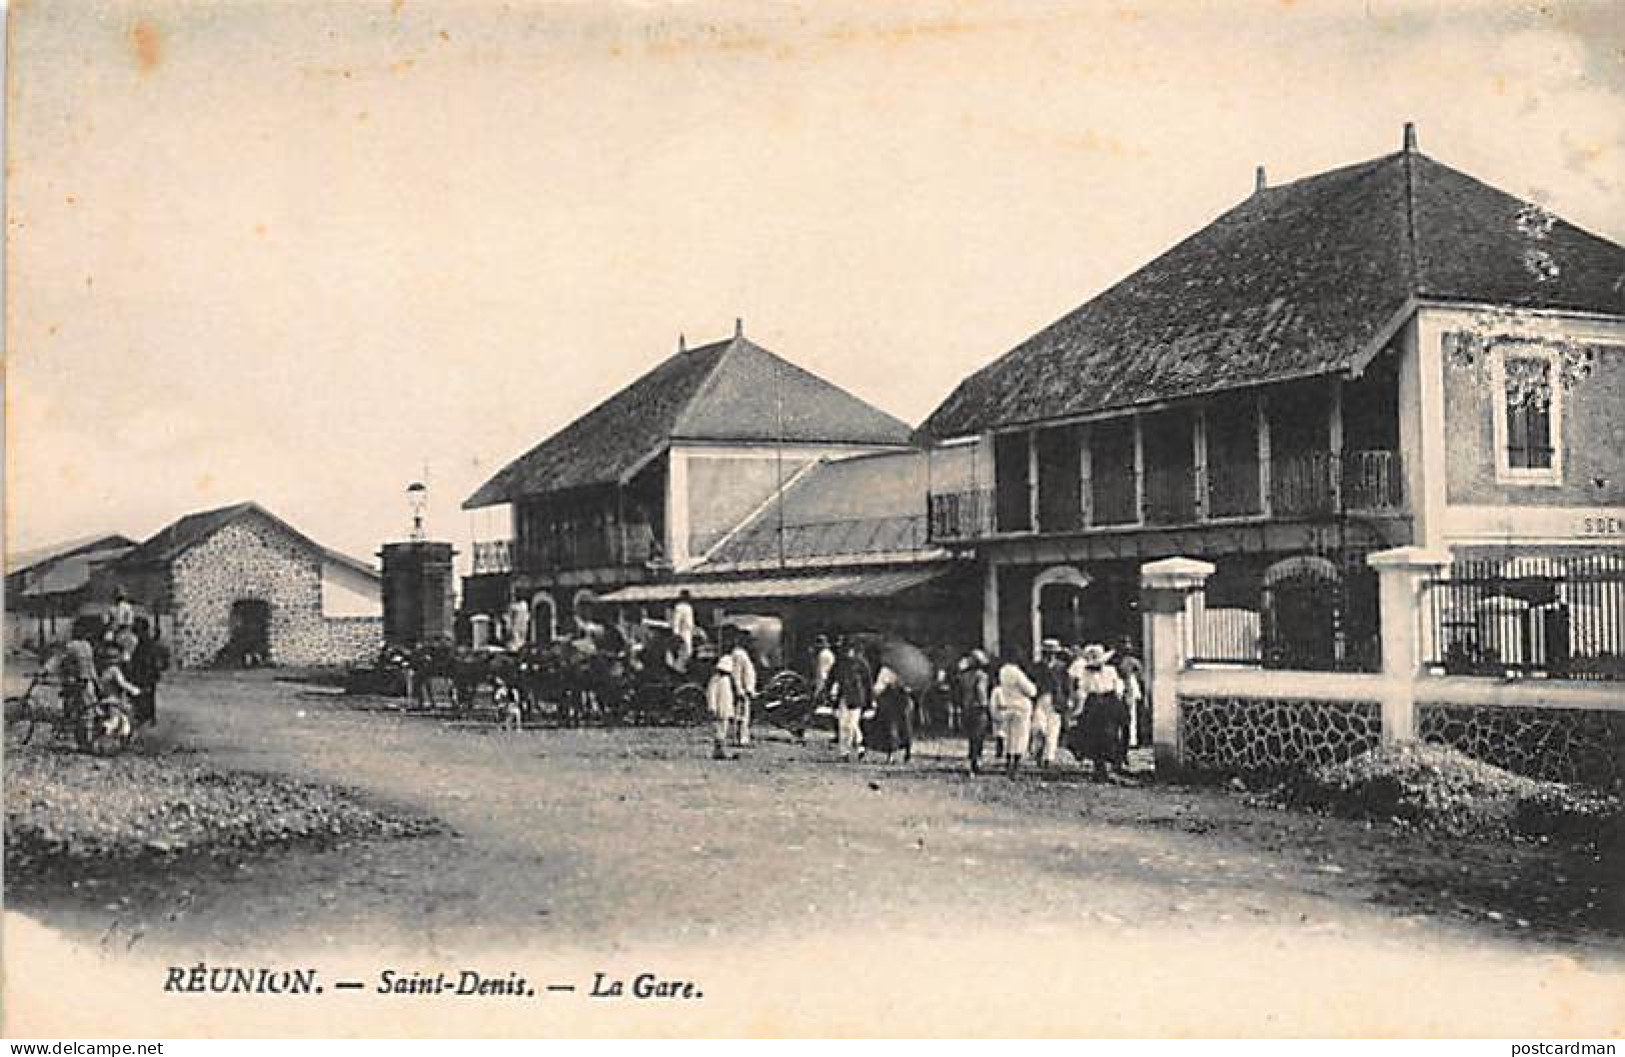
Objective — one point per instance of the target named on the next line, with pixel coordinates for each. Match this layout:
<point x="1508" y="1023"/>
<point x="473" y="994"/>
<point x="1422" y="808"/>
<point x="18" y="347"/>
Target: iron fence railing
<point x="1560" y="617"/>
<point x="1321" y="618"/>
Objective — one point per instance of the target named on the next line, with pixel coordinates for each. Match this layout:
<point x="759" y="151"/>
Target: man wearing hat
<point x="852" y="682"/>
<point x="1054" y="696"/>
<point x="682" y="630"/>
<point x="744" y="671"/>
<point x="720" y="697"/>
<point x="971" y="689"/>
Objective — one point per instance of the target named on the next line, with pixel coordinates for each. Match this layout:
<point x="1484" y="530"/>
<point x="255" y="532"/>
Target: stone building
<point x="239" y="584"/>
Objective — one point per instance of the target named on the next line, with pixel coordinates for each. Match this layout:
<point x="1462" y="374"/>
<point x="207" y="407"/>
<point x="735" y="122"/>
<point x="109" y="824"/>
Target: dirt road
<point x="817" y="896"/>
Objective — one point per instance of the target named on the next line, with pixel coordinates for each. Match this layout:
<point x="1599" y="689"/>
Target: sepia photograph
<point x="814" y="519"/>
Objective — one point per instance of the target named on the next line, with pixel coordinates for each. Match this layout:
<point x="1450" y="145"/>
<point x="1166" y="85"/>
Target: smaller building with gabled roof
<point x="237" y="584"/>
<point x="48" y="586"/>
<point x="653" y="478"/>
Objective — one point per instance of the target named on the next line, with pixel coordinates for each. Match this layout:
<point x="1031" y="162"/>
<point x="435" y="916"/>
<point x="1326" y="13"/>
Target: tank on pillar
<point x="418" y="583"/>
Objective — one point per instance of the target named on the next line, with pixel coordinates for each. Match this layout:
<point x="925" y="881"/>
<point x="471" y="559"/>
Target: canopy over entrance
<point x="821" y="586"/>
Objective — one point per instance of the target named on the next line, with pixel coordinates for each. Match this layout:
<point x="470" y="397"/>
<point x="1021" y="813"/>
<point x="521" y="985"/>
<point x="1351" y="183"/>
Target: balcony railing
<point x="592" y="548"/>
<point x="1170" y="495"/>
<point x="1305" y="484"/>
<point x="961" y="515"/>
<point x="493" y="556"/>
<point x="1373" y="481"/>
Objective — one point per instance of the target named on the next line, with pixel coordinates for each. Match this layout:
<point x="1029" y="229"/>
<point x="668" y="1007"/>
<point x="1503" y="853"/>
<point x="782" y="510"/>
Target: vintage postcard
<point x="706" y="518"/>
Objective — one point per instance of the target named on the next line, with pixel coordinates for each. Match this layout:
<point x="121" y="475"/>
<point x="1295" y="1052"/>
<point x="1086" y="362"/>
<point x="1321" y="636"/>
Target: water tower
<point x="418" y="581"/>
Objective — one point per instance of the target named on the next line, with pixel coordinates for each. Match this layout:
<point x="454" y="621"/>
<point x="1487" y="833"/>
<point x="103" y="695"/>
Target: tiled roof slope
<point x="184" y="533"/>
<point x="1294" y="281"/>
<point x="25" y="560"/>
<point x="180" y="535"/>
<point x="723" y="391"/>
<point x="849" y="508"/>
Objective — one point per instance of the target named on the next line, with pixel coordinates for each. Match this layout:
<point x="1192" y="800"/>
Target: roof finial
<point x="682" y="342"/>
<point x="1260" y="181"/>
<point x="739" y="327"/>
<point x="1410" y="136"/>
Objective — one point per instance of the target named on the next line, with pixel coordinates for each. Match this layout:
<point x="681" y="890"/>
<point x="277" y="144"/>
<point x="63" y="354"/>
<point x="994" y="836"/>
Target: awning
<point x="817" y="586"/>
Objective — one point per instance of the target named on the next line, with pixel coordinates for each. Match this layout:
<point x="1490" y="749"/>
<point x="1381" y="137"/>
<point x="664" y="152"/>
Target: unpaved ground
<point x="916" y="880"/>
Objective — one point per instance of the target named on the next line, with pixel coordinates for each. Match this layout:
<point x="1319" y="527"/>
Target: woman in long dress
<point x="1103" y="724"/>
<point x="893" y="726"/>
<point x="1013" y="712"/>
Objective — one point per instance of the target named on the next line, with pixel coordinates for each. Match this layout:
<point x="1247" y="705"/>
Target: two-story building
<point x="1388" y="353"/>
<point x="645" y="485"/>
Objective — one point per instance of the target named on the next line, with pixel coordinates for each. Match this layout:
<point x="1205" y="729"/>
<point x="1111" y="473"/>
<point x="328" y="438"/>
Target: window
<point x="1528" y="428"/>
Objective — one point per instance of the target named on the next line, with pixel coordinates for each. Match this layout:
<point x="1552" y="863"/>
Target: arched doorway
<point x="544" y="621"/>
<point x="1059" y="605"/>
<point x="581" y="604"/>
<point x="1302" y="596"/>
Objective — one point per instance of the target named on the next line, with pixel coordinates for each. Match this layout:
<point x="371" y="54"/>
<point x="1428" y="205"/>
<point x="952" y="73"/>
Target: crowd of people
<point x="1088" y="700"/>
<point x="114" y="657"/>
<point x="1077" y="699"/>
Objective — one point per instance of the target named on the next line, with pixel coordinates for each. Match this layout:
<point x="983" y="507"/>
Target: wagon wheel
<point x="787" y="700"/>
<point x="786" y="686"/>
<point x="26" y="711"/>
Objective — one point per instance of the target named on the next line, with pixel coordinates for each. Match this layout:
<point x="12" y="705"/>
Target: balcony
<point x="493" y="557"/>
<point x="1170" y="495"/>
<point x="1301" y="485"/>
<point x="1321" y="483"/>
<point x="609" y="545"/>
<point x="961" y="515"/>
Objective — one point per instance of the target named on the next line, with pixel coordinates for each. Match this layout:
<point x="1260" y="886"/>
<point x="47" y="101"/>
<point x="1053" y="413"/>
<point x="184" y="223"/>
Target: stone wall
<point x="1263" y="735"/>
<point x="1564" y="744"/>
<point x="349" y="640"/>
<point x="253" y="558"/>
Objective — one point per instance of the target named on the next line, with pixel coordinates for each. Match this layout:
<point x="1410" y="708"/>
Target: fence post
<point x="1400" y="575"/>
<point x="1168" y="591"/>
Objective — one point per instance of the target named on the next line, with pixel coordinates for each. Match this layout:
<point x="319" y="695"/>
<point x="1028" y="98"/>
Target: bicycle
<point x="42" y="703"/>
<point x="99" y="726"/>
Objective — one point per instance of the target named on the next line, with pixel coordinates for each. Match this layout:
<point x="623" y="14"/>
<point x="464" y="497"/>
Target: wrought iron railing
<point x="583" y="549"/>
<point x="1170" y="495"/>
<point x="961" y="515"/>
<point x="1301" y="484"/>
<point x="493" y="556"/>
<point x="1560" y="617"/>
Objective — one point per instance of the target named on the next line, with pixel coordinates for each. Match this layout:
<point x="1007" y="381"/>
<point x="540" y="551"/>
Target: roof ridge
<point x="680" y="420"/>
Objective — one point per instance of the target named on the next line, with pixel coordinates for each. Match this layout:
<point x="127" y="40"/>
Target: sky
<point x="307" y="253"/>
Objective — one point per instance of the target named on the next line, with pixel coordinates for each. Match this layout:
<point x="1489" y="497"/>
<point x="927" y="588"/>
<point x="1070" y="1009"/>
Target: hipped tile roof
<point x="732" y="390"/>
<point x="1296" y="280"/>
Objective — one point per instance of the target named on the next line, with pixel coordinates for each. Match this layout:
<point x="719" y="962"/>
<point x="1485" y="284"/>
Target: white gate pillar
<point x="1401" y="573"/>
<point x="1168" y="592"/>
